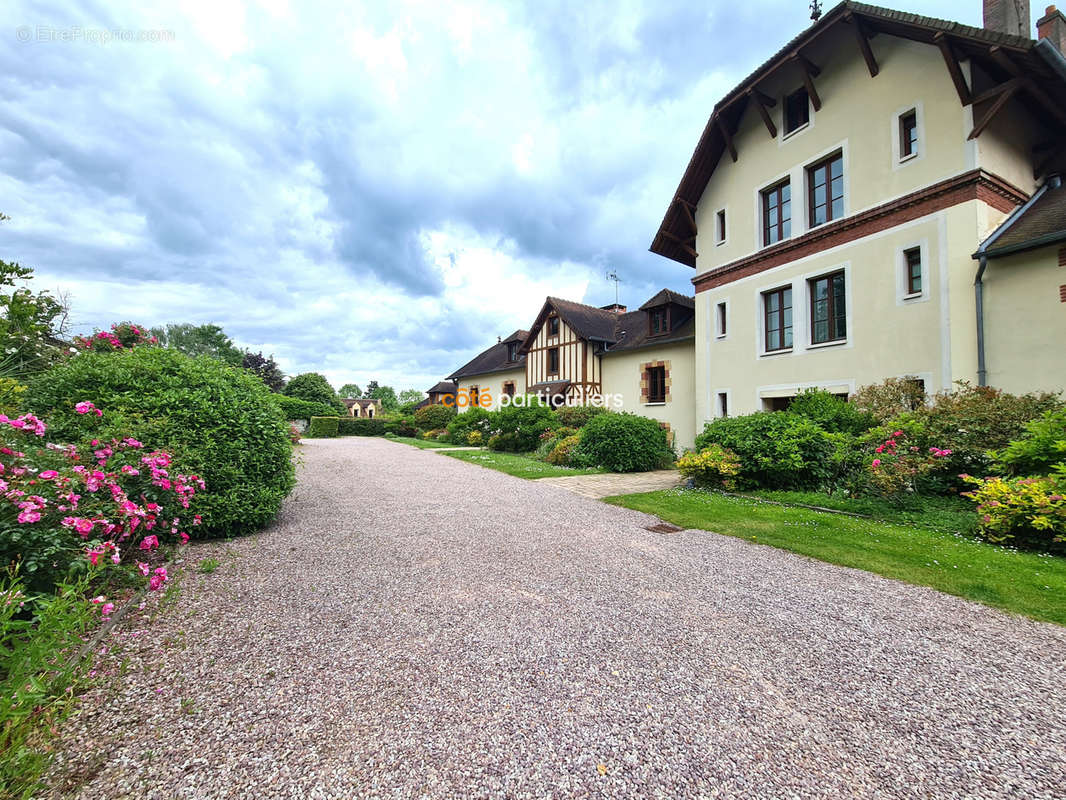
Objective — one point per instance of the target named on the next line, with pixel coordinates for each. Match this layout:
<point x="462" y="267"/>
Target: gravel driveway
<point x="416" y="626"/>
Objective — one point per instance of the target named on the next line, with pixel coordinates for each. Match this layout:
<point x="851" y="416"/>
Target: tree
<point x="370" y="389"/>
<point x="200" y="340"/>
<point x="313" y="387"/>
<point x="31" y="325"/>
<point x="266" y="369"/>
<point x="350" y="390"/>
<point x="387" y="396"/>
<point x="411" y="396"/>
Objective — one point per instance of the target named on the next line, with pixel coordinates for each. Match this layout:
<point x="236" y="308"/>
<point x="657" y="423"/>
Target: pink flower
<point x="48" y="474"/>
<point x="184" y="537"/>
<point x="106" y="610"/>
<point x="149" y="543"/>
<point x="29" y="515"/>
<point x="144" y="568"/>
<point x="98" y="600"/>
<point x="876" y="462"/>
<point x="85" y="407"/>
<point x="158" y="578"/>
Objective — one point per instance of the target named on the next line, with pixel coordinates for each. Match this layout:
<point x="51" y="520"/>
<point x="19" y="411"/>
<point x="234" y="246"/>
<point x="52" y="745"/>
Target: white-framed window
<point x="720" y="229"/>
<point x="722" y="403"/>
<point x="908" y="135"/>
<point x="912" y="272"/>
<point x="721" y="319"/>
<point x="796" y="112"/>
<point x="777" y="333"/>
<point x="828" y="308"/>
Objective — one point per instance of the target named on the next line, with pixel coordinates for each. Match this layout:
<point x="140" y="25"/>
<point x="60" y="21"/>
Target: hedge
<point x="323" y="427"/>
<point x="360" y="426"/>
<point x="296" y="408"/>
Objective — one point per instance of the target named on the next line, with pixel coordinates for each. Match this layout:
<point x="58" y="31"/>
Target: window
<point x="828" y="309"/>
<point x="776" y="213"/>
<point x="721" y="322"/>
<point x="508" y="388"/>
<point x="797" y="111"/>
<point x="777" y="310"/>
<point x="719" y="227"/>
<point x="825" y="185"/>
<point x="473" y="396"/>
<point x="370" y="411"/>
<point x="658" y="320"/>
<point x="777" y="403"/>
<point x="553" y="361"/>
<point x="553" y="326"/>
<point x="512" y="351"/>
<point x="723" y="404"/>
<point x="908" y="134"/>
<point x="912" y="260"/>
<point x="656" y="384"/>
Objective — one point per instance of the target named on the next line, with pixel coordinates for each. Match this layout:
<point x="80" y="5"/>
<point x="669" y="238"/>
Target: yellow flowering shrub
<point x="714" y="466"/>
<point x="11" y="392"/>
<point x="474" y="438"/>
<point x="560" y="454"/>
<point x="1031" y="511"/>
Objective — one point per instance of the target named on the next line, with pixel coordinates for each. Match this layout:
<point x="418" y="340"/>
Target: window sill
<point x="915" y="296"/>
<point x="655" y="403"/>
<point x="820" y="345"/>
<point x="767" y="353"/>
<point x="792" y="133"/>
<point x="721" y="337"/>
<point x="719" y="244"/>
<point x="905" y="159"/>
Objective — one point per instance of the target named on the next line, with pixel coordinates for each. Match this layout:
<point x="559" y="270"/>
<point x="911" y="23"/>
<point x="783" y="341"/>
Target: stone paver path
<point x="596" y="486"/>
<point x="416" y="626"/>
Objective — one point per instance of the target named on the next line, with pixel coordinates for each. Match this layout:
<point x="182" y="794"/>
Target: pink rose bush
<point x="900" y="465"/>
<point x="122" y="336"/>
<point x="88" y="507"/>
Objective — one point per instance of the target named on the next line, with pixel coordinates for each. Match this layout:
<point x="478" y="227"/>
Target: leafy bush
<point x="295" y="408"/>
<point x="474" y="438"/>
<point x="361" y="426"/>
<point x="503" y="442"/>
<point x="404" y="426"/>
<point x="1029" y="511"/>
<point x="314" y="388"/>
<point x="833" y="414"/>
<point x="434" y="435"/>
<point x="550" y="438"/>
<point x="562" y="454"/>
<point x="122" y="336"/>
<point x="578" y="416"/>
<point x="623" y="442"/>
<point x="473" y="419"/>
<point x="777" y="450"/>
<point x="323" y="427"/>
<point x="520" y="427"/>
<point x="218" y="421"/>
<point x="900" y="466"/>
<point x="890" y="398"/>
<point x="11" y="392"/>
<point x="434" y="416"/>
<point x="714" y="466"/>
<point x="1041" y="446"/>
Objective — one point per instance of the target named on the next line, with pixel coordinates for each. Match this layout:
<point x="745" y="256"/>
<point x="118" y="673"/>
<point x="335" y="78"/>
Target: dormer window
<point x="553" y="326"/>
<point x="659" y="321"/>
<point x="512" y="351"/>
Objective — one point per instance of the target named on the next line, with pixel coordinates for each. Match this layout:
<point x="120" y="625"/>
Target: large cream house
<point x="880" y="199"/>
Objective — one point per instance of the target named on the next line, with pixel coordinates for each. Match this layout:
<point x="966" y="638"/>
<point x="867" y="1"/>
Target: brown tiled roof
<point x="444" y="387"/>
<point x="361" y="401"/>
<point x="668" y="296"/>
<point x="634" y="333"/>
<point x="1040" y="224"/>
<point x="494" y="359"/>
<point x="674" y="240"/>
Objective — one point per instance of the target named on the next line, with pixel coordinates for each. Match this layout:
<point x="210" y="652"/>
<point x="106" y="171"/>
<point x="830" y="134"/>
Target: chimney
<point x="1052" y="26"/>
<point x="616" y="308"/>
<point x="1007" y="16"/>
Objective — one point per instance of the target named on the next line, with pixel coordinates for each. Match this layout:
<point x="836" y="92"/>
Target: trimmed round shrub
<point x="578" y="416"/>
<point x="833" y="414"/>
<point x="777" y="450"/>
<point x="218" y="421"/>
<point x="520" y="427"/>
<point x="624" y="443"/>
<point x="323" y="427"/>
<point x="429" y="418"/>
<point x="473" y="419"/>
<point x="714" y="466"/>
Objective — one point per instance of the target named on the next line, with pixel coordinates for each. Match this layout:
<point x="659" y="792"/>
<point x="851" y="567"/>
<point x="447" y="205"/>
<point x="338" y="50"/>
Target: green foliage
<point x="30" y="324"/>
<point x="832" y="413"/>
<point x="121" y="336"/>
<point x="890" y="398"/>
<point x="550" y="438"/>
<point x="578" y="416"/>
<point x="387" y="396"/>
<point x="266" y="369"/>
<point x="217" y="421"/>
<point x="350" y="390"/>
<point x="404" y="426"/>
<point x="39" y="676"/>
<point x="714" y="466"/>
<point x="1027" y="511"/>
<point x="623" y="442"/>
<point x="11" y="392"/>
<point x="1038" y="449"/>
<point x="473" y="419"/>
<point x="435" y="416"/>
<point x="361" y="426"/>
<point x="777" y="450"/>
<point x="323" y="427"/>
<point x="562" y="453"/>
<point x="295" y="408"/>
<point x="409" y="396"/>
<point x="200" y="340"/>
<point x="474" y="439"/>
<point x="520" y="427"/>
<point x="314" y="388"/>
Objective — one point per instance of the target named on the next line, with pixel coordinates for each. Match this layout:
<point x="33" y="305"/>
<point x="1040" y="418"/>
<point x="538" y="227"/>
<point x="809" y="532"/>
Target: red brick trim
<point x="974" y="185"/>
<point x="1062" y="293"/>
<point x="1062" y="256"/>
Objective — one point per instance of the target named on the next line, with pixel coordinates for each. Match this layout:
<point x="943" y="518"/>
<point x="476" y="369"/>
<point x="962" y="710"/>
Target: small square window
<point x="658" y="321"/>
<point x="912" y="260"/>
<point x="908" y="134"/>
<point x="508" y="388"/>
<point x="721" y="322"/>
<point x="719" y="227"/>
<point x="656" y="384"/>
<point x="797" y="110"/>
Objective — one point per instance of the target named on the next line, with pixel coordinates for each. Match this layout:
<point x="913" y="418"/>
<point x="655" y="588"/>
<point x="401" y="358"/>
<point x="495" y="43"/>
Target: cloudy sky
<point x="365" y="189"/>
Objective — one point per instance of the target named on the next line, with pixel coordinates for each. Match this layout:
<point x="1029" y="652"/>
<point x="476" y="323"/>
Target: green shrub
<point x="360" y="426"/>
<point x="777" y="450"/>
<point x="714" y="466"/>
<point x="314" y="388"/>
<point x="294" y="408"/>
<point x="434" y="435"/>
<point x="404" y="426"/>
<point x="563" y="452"/>
<point x="520" y="427"/>
<point x="474" y="438"/>
<point x="833" y="414"/>
<point x="504" y="442"/>
<point x="578" y="416"/>
<point x="549" y="439"/>
<point x="1026" y="511"/>
<point x="11" y="392"/>
<point x="428" y="418"/>
<point x="323" y="427"/>
<point x="890" y="398"/>
<point x="624" y="443"/>
<point x="219" y="422"/>
<point x="1041" y="446"/>
<point x="473" y="419"/>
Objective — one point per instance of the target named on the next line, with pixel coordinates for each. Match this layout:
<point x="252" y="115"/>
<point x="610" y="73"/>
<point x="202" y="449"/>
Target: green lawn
<point x="422" y="443"/>
<point x="521" y="466"/>
<point x="1026" y="583"/>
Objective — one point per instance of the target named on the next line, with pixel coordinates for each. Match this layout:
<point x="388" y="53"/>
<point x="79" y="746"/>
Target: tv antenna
<point x="613" y="276"/>
<point x="816" y="10"/>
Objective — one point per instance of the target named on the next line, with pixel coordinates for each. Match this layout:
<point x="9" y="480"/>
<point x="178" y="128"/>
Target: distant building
<point x="363" y="407"/>
<point x="439" y="394"/>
